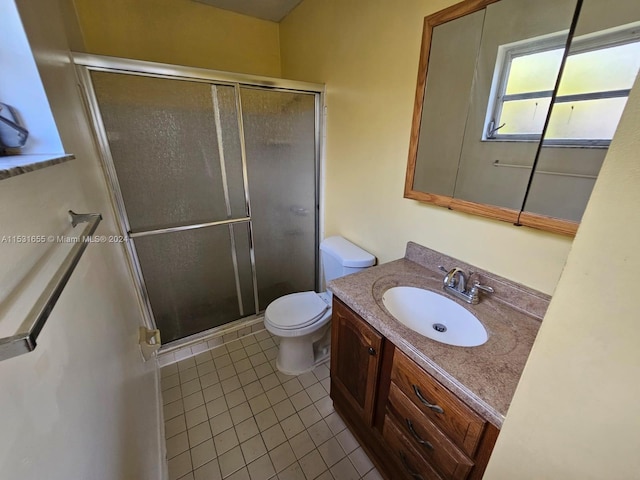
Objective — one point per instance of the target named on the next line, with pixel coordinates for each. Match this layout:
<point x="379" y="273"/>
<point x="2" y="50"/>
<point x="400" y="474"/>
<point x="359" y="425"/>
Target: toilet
<point x="302" y="320"/>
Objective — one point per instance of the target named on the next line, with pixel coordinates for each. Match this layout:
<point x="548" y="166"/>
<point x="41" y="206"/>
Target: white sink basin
<point x="434" y="316"/>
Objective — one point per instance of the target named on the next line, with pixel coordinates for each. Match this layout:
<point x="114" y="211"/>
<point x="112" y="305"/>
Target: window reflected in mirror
<point x="601" y="67"/>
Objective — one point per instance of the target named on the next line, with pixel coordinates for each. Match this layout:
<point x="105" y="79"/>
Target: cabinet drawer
<point x="412" y="463"/>
<point x="426" y="438"/>
<point x="439" y="405"/>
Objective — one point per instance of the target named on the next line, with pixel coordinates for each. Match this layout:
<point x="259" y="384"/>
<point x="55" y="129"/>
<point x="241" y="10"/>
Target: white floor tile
<point x="309" y="416"/>
<point x="331" y="452"/>
<point x="361" y="461"/>
<point x="188" y="374"/>
<point x="373" y="475"/>
<point x="212" y="392"/>
<point x="266" y="419"/>
<point x="276" y="395"/>
<point x="209" y="471"/>
<point x="240" y="413"/>
<point x="320" y="432"/>
<point x="230" y="384"/>
<point x="292" y="386"/>
<point x="235" y="398"/>
<point x="253" y="448"/>
<point x="344" y="470"/>
<point x="300" y="400"/>
<point x="229" y="414"/>
<point x="312" y="464"/>
<point x="199" y="434"/>
<point x="335" y="423"/>
<point x="203" y="453"/>
<point x="170" y="382"/>
<point x="247" y="429"/>
<point x="282" y="457"/>
<point x="171" y="395"/>
<point x="225" y="441"/>
<point x="209" y="378"/>
<point x="216" y="407"/>
<point x="174" y="426"/>
<point x="177" y="444"/>
<point x="179" y="466"/>
<point x="293" y="472"/>
<point x="242" y="474"/>
<point x="259" y="404"/>
<point x="193" y="401"/>
<point x="220" y="423"/>
<point x="292" y="426"/>
<point x="284" y="409"/>
<point x="231" y="461"/>
<point x="261" y="469"/>
<point x="347" y="441"/>
<point x="316" y="392"/>
<point x="190" y="387"/>
<point x="196" y="416"/>
<point x="173" y="409"/>
<point x="301" y="444"/>
<point x="273" y="436"/>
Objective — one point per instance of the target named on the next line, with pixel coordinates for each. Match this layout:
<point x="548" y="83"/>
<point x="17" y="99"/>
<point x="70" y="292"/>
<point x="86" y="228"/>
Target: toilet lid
<point x="296" y="310"/>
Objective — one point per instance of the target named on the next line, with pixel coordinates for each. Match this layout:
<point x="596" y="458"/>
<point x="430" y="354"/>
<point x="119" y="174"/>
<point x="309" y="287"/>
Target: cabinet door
<point x="355" y="361"/>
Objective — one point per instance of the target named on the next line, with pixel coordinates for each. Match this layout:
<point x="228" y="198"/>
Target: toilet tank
<point x="340" y="257"/>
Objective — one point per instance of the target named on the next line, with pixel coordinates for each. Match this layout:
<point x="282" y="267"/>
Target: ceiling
<point x="274" y="10"/>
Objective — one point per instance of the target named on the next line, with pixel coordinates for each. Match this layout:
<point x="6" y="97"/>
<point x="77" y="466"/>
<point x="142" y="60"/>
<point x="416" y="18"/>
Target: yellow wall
<point x="576" y="413"/>
<point x="181" y="32"/>
<point x="366" y="51"/>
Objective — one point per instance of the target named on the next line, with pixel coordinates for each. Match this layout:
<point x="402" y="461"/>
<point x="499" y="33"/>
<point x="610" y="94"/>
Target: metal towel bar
<point x="25" y="339"/>
<point x="543" y="172"/>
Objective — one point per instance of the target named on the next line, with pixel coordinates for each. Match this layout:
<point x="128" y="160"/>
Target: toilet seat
<point x="296" y="311"/>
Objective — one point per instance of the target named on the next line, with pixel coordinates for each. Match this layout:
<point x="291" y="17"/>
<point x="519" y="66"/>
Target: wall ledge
<point x="14" y="165"/>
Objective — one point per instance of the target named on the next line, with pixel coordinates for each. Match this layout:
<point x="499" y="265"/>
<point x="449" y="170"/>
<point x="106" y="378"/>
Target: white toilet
<point x="301" y="320"/>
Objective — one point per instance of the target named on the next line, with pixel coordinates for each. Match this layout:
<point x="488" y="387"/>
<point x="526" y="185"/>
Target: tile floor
<point x="229" y="414"/>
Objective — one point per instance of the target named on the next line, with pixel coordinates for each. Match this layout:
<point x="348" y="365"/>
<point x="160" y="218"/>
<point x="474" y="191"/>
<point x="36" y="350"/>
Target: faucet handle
<point x="444" y="269"/>
<point x="484" y="288"/>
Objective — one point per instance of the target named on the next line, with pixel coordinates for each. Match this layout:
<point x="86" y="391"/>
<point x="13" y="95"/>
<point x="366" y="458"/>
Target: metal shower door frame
<point x="86" y="63"/>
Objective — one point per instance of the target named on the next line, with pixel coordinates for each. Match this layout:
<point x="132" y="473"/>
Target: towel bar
<point x="25" y="339"/>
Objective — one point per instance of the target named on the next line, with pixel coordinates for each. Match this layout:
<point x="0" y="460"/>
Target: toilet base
<point x="297" y="355"/>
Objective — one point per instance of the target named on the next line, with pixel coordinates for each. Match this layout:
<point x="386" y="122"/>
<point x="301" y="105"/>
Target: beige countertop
<point x="485" y="377"/>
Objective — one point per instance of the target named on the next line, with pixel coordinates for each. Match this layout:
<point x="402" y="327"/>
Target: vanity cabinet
<point x="356" y="362"/>
<point x="410" y="424"/>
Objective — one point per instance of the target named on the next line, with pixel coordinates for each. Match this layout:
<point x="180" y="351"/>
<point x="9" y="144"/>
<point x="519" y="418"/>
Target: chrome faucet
<point x="455" y="283"/>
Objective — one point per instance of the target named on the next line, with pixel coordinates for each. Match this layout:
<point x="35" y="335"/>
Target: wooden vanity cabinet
<point x="411" y="426"/>
<point x="355" y="361"/>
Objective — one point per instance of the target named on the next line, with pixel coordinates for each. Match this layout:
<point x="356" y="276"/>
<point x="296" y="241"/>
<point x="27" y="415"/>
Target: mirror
<point x="488" y="76"/>
<point x="601" y="66"/>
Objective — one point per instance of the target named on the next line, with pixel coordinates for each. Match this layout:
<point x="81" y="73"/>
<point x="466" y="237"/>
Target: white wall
<point x="83" y="404"/>
<point x="576" y="413"/>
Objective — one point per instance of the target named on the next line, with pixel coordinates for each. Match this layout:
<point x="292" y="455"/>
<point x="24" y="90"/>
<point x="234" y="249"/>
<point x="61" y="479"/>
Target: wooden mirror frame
<point x="517" y="217"/>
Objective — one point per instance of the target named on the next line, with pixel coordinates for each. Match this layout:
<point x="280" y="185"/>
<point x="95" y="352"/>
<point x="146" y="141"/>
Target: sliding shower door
<point x="216" y="186"/>
<point x="280" y="143"/>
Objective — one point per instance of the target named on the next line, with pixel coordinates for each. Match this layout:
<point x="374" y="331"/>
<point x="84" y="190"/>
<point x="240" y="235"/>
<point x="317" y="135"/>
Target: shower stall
<point x="214" y="177"/>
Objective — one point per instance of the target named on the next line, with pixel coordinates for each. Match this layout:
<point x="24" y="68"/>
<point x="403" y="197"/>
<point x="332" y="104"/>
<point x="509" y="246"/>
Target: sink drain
<point x="438" y="327"/>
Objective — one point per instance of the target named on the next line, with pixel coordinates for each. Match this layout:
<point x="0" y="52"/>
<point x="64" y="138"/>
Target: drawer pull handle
<point x="372" y="351"/>
<point x="417" y="437"/>
<point x="435" y="408"/>
<point x="407" y="467"/>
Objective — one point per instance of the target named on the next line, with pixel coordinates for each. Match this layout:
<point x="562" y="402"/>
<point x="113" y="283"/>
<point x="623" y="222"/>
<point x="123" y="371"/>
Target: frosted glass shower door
<point x="280" y="139"/>
<point x="175" y="150"/>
